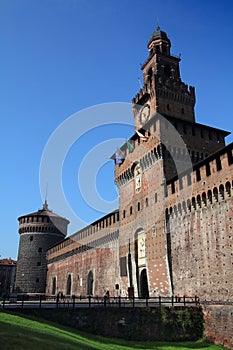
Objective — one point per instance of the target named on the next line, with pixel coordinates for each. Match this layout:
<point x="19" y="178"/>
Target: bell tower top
<point x="163" y="90"/>
<point x="159" y="43"/>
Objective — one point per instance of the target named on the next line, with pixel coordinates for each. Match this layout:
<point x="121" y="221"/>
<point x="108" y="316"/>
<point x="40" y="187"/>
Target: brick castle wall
<point x="89" y="256"/>
<point x="200" y="233"/>
<point x="218" y="324"/>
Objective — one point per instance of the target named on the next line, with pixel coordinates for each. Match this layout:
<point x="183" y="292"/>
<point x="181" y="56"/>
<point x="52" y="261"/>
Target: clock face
<point x="144" y="113"/>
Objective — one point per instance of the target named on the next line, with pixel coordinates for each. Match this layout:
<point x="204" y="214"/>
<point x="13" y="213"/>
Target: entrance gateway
<point x="144" y="291"/>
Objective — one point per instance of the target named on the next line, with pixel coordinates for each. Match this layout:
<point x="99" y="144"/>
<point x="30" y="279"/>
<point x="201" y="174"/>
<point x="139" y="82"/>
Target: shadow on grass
<point x="20" y="332"/>
<point x="19" y="338"/>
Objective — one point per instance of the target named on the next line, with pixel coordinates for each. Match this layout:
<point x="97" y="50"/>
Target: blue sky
<point x="61" y="56"/>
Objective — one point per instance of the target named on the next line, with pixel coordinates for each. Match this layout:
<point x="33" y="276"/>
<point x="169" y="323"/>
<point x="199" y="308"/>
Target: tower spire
<point x="45" y="205"/>
<point x="157" y="24"/>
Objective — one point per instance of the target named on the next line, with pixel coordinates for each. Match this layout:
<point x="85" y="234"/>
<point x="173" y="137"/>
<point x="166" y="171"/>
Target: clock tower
<point x="163" y="90"/>
<point x="163" y="107"/>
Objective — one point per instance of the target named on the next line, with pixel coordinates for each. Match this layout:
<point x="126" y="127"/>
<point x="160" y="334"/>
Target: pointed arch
<point x="228" y="188"/>
<point x="144" y="291"/>
<point x="54" y="285"/>
<point x="68" y="285"/>
<point x="90" y="282"/>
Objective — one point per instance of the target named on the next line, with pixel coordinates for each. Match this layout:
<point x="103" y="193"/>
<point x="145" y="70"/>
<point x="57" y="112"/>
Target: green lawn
<point x="18" y="332"/>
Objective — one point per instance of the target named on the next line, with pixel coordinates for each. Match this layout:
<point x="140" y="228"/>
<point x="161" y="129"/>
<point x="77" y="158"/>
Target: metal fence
<point x="60" y="301"/>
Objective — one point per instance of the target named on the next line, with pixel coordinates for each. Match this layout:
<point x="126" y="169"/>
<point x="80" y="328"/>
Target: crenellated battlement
<point x="176" y="91"/>
<point x="142" y="95"/>
<point x="99" y="231"/>
<point x="146" y="161"/>
<point x="211" y="180"/>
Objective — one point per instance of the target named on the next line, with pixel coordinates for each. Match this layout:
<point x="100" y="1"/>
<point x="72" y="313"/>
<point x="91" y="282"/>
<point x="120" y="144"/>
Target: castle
<point x="172" y="233"/>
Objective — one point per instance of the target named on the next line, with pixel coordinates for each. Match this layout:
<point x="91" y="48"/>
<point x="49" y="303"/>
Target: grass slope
<point x="18" y="332"/>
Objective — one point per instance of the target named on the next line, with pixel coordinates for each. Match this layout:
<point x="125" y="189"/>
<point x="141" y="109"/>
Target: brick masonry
<point x="38" y="231"/>
<point x="142" y="324"/>
<point x="218" y="324"/>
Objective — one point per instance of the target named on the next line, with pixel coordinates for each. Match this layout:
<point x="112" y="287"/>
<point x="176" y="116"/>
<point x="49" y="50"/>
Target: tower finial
<point x="45" y="205"/>
<point x="46" y="191"/>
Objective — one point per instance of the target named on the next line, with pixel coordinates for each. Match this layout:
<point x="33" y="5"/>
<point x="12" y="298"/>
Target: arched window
<point x="184" y="208"/>
<point x="68" y="285"/>
<point x="203" y="197"/>
<point x="159" y="151"/>
<point x="218" y="164"/>
<point x="157" y="48"/>
<point x="215" y="193"/>
<point x="54" y="285"/>
<point x="228" y="188"/>
<point x="199" y="200"/>
<point x="193" y="202"/>
<point x="221" y="191"/>
<point x="149" y="76"/>
<point x="189" y="204"/>
<point x="209" y="196"/>
<point x="144" y="290"/>
<point x="90" y="281"/>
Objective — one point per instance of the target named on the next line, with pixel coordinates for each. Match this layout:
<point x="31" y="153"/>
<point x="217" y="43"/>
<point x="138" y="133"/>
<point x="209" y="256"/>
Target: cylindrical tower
<point x="38" y="231"/>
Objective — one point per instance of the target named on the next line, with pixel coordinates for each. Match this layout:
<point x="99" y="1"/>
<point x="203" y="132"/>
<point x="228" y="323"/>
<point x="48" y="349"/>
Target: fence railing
<point x="60" y="301"/>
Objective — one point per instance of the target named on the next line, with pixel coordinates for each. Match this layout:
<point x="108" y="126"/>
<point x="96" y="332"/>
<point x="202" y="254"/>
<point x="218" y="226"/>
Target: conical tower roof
<point x="45" y="211"/>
